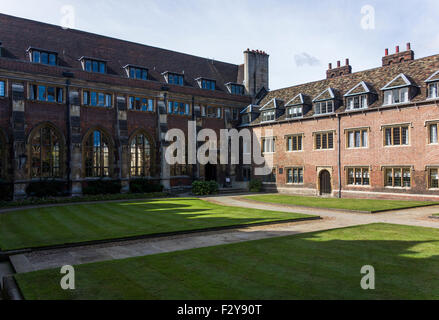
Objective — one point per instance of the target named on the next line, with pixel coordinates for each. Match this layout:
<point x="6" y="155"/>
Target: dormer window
<point x="174" y="78"/>
<point x="93" y="65"/>
<point x="296" y="106"/>
<point x="269" y="115"/>
<point x="398" y="90"/>
<point x="295" y="112"/>
<point x="357" y="102"/>
<point x="235" y="88"/>
<point x="206" y="84"/>
<point x="433" y="85"/>
<point x="43" y="56"/>
<point x="359" y="97"/>
<point x="325" y="102"/>
<point x="134" y="72"/>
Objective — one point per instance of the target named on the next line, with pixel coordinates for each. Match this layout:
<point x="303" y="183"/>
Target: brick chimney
<point x="255" y="71"/>
<point x="339" y="71"/>
<point x="398" y="57"/>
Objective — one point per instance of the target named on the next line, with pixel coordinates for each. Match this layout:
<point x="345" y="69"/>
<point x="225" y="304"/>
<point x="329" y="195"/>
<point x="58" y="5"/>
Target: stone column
<point x="21" y="160"/>
<point x="122" y="136"/>
<point x="75" y="144"/>
<point x="165" y="172"/>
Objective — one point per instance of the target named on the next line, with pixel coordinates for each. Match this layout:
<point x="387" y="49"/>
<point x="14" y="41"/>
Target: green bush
<point x="255" y="185"/>
<point x="144" y="186"/>
<point x="102" y="187"/>
<point x="46" y="189"/>
<point x="204" y="188"/>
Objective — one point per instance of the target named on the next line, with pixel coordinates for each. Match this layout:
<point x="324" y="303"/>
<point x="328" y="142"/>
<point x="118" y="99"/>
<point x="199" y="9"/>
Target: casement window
<point x="214" y="112"/>
<point x="433" y="90"/>
<point x="180" y="108"/>
<point x="138" y="73"/>
<point x="357" y="102"/>
<point x="141" y="104"/>
<point x="46" y="93"/>
<point x="236" y="89"/>
<point x="358" y="176"/>
<point x="324" y="107"/>
<point x="271" y="177"/>
<point x="268" y="145"/>
<point x="433" y="178"/>
<point x="294" y="143"/>
<point x="96" y="66"/>
<point x="324" y="141"/>
<point x="140" y="156"/>
<point x="208" y="84"/>
<point x="295" y="112"/>
<point x="2" y="88"/>
<point x="396" y="96"/>
<point x="96" y="99"/>
<point x="45" y="153"/>
<point x="97" y="153"/>
<point x="398" y="177"/>
<point x="432" y="132"/>
<point x="295" y="175"/>
<point x="268" y="115"/>
<point x="396" y="136"/>
<point x="357" y="138"/>
<point x="44" y="57"/>
<point x="174" y="78"/>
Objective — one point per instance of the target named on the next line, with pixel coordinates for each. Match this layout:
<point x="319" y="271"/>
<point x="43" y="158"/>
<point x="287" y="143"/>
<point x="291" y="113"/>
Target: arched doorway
<point x="210" y="173"/>
<point x="325" y="182"/>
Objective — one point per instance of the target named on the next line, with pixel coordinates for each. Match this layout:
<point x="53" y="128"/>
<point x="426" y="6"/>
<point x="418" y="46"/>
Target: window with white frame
<point x="324" y="107"/>
<point x="396" y="96"/>
<point x="268" y="115"/>
<point x="433" y="90"/>
<point x="433" y="135"/>
<point x="433" y="178"/>
<point x="295" y="112"/>
<point x="268" y="145"/>
<point x="357" y="102"/>
<point x="358" y="176"/>
<point x="357" y="138"/>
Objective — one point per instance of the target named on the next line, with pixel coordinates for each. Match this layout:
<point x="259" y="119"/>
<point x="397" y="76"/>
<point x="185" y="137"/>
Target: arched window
<point x="97" y="155"/>
<point x="140" y="156"/>
<point x="45" y="153"/>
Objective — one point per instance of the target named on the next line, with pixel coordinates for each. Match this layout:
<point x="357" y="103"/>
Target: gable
<point x="297" y="100"/>
<point x="400" y="81"/>
<point x="360" y="88"/>
<point x="433" y="77"/>
<point x="325" y="95"/>
<point x="273" y="104"/>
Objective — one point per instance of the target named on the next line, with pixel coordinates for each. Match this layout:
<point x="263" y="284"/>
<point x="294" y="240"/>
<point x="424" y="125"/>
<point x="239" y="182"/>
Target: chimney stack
<point x="256" y="71"/>
<point x="398" y="56"/>
<point x="339" y="71"/>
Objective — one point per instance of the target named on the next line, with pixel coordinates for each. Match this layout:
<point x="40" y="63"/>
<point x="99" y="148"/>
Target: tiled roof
<point x="417" y="71"/>
<point x="17" y="35"/>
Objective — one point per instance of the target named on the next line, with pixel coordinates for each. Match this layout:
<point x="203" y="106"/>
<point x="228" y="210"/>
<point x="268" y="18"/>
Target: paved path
<point x="332" y="219"/>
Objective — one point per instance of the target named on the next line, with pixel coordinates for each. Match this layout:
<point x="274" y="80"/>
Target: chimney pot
<point x="397" y="49"/>
<point x="387" y="52"/>
<point x="330" y="66"/>
<point x="409" y="47"/>
<point x="338" y="64"/>
<point x="347" y="62"/>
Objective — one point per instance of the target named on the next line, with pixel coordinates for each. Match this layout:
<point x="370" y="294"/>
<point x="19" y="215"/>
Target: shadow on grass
<point x="323" y="265"/>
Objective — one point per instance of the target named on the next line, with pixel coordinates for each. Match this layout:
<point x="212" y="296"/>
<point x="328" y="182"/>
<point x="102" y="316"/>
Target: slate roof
<point x="416" y="71"/>
<point x="18" y="35"/>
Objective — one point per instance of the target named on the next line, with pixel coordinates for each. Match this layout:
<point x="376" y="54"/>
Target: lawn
<point x="102" y="221"/>
<point x="321" y="265"/>
<point x="367" y="205"/>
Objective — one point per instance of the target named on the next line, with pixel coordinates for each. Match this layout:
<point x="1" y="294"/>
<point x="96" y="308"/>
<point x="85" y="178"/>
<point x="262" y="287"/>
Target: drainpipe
<point x="339" y="156"/>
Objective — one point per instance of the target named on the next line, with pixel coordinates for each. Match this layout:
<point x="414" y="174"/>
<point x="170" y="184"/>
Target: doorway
<point x="210" y="172"/>
<point x="325" y="183"/>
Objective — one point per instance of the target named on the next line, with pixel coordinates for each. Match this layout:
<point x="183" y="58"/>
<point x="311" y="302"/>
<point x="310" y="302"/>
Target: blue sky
<point x="302" y="37"/>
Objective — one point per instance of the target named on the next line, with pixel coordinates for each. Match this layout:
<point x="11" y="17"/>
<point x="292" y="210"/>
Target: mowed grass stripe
<point x="320" y="265"/>
<point x="105" y="221"/>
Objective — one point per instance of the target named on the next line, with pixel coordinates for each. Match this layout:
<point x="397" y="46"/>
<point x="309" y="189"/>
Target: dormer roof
<point x="327" y="94"/>
<point x="250" y="109"/>
<point x="400" y="81"/>
<point x="433" y="77"/>
<point x="361" y="88"/>
<point x="300" y="99"/>
<point x="273" y="104"/>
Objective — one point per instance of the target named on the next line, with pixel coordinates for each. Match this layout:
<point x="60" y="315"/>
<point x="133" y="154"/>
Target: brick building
<point x="78" y="107"/>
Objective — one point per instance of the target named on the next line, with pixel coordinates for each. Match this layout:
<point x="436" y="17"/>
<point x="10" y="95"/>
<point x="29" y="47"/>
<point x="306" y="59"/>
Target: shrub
<point x="255" y="185"/>
<point x="204" y="188"/>
<point x="102" y="187"/>
<point x="144" y="186"/>
<point x="46" y="189"/>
